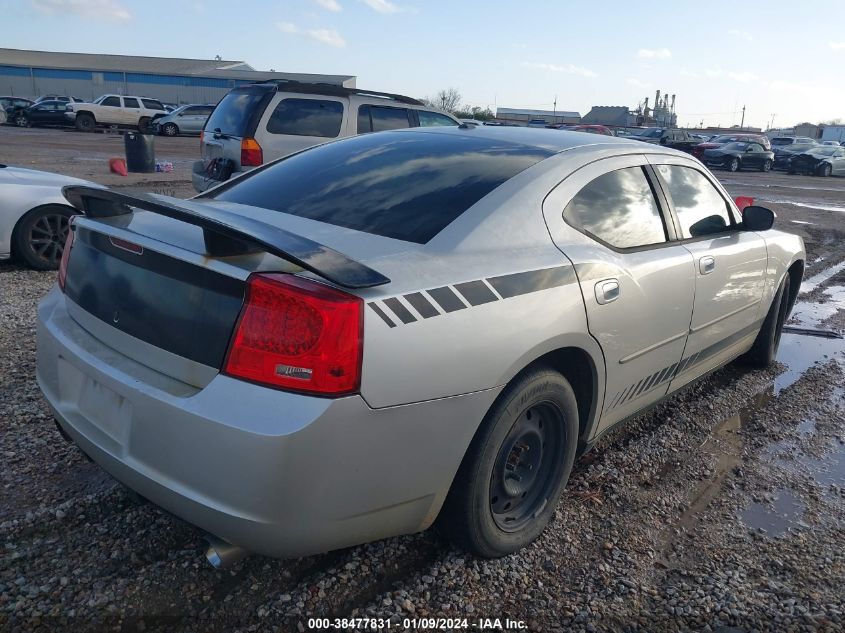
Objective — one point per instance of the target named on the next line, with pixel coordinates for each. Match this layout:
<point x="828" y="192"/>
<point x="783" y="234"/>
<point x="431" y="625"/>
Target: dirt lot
<point x="721" y="510"/>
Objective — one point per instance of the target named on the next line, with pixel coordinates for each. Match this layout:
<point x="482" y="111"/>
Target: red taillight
<point x="251" y="153"/>
<point x="299" y="335"/>
<point x="66" y="252"/>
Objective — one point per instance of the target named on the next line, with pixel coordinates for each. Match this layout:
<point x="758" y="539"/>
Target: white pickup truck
<point x="123" y="111"/>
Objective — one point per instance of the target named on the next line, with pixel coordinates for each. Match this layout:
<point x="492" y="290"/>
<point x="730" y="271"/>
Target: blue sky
<point x="777" y="58"/>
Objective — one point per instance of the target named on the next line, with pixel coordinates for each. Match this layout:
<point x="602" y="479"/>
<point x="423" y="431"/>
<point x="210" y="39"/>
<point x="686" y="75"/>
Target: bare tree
<point x="448" y="100"/>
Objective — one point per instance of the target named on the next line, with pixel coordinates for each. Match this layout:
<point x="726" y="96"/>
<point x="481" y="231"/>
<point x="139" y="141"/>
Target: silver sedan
<point x="401" y="327"/>
<point x="34" y="215"/>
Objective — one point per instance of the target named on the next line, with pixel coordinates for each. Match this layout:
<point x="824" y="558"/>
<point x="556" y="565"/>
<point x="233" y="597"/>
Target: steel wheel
<point x="524" y="471"/>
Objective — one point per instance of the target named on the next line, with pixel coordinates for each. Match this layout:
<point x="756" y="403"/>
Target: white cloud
<point x="110" y="10"/>
<point x="659" y="53"/>
<point x="631" y="81"/>
<point x="569" y="69"/>
<point x="742" y="77"/>
<point x="837" y="46"/>
<point x="743" y="35"/>
<point x="713" y="72"/>
<point x="324" y="36"/>
<point x="382" y="6"/>
<point x="689" y="73"/>
<point x="330" y="5"/>
<point x="327" y="36"/>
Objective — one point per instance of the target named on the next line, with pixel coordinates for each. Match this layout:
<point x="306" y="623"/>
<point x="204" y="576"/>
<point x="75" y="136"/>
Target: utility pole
<point x="742" y="125"/>
<point x="772" y="122"/>
<point x="554" y="112"/>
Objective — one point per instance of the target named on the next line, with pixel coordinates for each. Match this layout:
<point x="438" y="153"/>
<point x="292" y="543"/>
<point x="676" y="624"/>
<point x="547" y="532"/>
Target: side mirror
<point x="756" y="218"/>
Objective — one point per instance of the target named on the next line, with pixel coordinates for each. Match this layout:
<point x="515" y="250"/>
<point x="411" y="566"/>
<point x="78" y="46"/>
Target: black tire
<point x="766" y="166"/>
<point x="21" y="120"/>
<point x="504" y="495"/>
<point x="765" y="348"/>
<point x="825" y="171"/>
<point x="85" y="122"/>
<point x="734" y="164"/>
<point x="144" y="125"/>
<point x="40" y="235"/>
<point x="791" y="172"/>
<point x="170" y="129"/>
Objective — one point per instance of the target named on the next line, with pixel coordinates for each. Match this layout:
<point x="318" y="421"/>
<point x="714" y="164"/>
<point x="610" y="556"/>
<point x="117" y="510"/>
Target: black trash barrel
<point x="140" y="152"/>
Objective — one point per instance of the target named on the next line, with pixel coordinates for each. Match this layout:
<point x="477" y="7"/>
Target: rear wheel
<point x="734" y="164"/>
<point x="85" y="122"/>
<point x="39" y="238"/>
<point x="511" y="478"/>
<point x="144" y="125"/>
<point x="21" y="120"/>
<point x="765" y="348"/>
<point x="170" y="129"/>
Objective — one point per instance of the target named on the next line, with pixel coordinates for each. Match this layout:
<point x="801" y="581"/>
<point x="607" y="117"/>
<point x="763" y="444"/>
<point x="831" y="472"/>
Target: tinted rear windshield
<point x="404" y="185"/>
<point x="236" y="113"/>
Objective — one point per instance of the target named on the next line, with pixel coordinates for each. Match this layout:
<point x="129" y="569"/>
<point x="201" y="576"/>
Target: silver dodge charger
<point x="370" y="335"/>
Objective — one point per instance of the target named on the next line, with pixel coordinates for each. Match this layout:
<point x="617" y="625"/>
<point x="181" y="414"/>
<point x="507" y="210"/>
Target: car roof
<point x="543" y="138"/>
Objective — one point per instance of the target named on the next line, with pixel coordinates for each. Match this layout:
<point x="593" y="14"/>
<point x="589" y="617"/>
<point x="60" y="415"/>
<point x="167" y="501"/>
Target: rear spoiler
<point x="229" y="233"/>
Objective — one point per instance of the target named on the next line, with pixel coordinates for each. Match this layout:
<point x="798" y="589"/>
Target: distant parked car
<point x="721" y="139"/>
<point x="821" y="160"/>
<point x="784" y="153"/>
<point x="123" y="111"/>
<point x="257" y="123"/>
<point x="34" y="215"/>
<point x="590" y="129"/>
<point x="186" y="119"/>
<point x="471" y="121"/>
<point x="739" y="155"/>
<point x="833" y="143"/>
<point x="11" y="106"/>
<point x="537" y="123"/>
<point x="786" y="141"/>
<point x="668" y="137"/>
<point x="59" y="98"/>
<point x="43" y="113"/>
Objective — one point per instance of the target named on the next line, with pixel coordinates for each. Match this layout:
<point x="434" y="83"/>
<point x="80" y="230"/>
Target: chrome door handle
<point x="607" y="291"/>
<point x="707" y="265"/>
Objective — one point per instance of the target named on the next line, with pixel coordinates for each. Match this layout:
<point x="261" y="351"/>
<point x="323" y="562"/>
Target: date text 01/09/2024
<point x="410" y="624"/>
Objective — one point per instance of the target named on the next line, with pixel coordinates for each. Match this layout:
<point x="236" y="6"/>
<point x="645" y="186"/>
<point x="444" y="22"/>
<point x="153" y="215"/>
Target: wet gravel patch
<point x="656" y="531"/>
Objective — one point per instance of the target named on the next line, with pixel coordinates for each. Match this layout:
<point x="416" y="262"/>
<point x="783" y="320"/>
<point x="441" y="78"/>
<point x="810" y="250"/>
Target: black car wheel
<point x="765" y="348"/>
<point x="511" y="478"/>
<point x="21" y="120"/>
<point x="734" y="164"/>
<point x="766" y="166"/>
<point x="39" y="237"/>
<point x="170" y="129"/>
<point x="144" y="125"/>
<point x="825" y="170"/>
<point x="85" y="122"/>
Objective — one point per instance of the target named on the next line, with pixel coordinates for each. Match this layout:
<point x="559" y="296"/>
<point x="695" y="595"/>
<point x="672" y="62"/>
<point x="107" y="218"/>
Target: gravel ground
<point x="721" y="510"/>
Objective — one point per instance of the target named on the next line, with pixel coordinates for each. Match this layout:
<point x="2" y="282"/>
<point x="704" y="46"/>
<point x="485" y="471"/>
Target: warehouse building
<point x="522" y="117"/>
<point x="31" y="74"/>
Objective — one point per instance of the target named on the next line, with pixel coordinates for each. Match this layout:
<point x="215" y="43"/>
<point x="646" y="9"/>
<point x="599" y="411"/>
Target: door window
<point x="151" y="104"/>
<point x="111" y="102"/>
<point x="373" y="118"/>
<point x="130" y="102"/>
<point x="306" y="117"/>
<point x="699" y="206"/>
<point x="618" y="208"/>
<point x="431" y="119"/>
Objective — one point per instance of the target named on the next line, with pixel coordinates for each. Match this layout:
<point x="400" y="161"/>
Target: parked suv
<point x="257" y="123"/>
<point x="124" y="111"/>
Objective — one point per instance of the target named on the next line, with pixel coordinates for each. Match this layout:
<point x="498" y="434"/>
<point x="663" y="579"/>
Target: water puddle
<point x="802" y="222"/>
<point x="777" y="517"/>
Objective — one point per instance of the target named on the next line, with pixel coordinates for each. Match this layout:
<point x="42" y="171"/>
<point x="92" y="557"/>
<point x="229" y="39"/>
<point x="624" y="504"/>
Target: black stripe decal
<point x="630" y="395"/>
<point x="381" y="313"/>
<point x="653" y="380"/>
<point x="644" y="388"/>
<point x="399" y="310"/>
<point x="531" y="281"/>
<point x="476" y="292"/>
<point x="421" y="305"/>
<point x="446" y="299"/>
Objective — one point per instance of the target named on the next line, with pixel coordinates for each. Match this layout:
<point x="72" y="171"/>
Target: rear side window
<point x="699" y="206"/>
<point x="112" y="102"/>
<point x="306" y="117"/>
<point x="235" y="113"/>
<point x="619" y="209"/>
<point x="431" y="119"/>
<point x="130" y="102"/>
<point x="150" y="104"/>
<point x="408" y="186"/>
<point x="372" y="118"/>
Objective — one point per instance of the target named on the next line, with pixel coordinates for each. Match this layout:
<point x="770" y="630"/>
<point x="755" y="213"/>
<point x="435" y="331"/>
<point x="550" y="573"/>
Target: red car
<point x="592" y="129"/>
<point x="698" y="150"/>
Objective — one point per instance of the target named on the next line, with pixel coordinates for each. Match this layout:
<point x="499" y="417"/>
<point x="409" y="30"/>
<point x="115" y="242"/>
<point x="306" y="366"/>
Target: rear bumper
<point x="277" y="473"/>
<point x="199" y="178"/>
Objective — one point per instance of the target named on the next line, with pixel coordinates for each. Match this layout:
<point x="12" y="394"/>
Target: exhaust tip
<point x="221" y="554"/>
